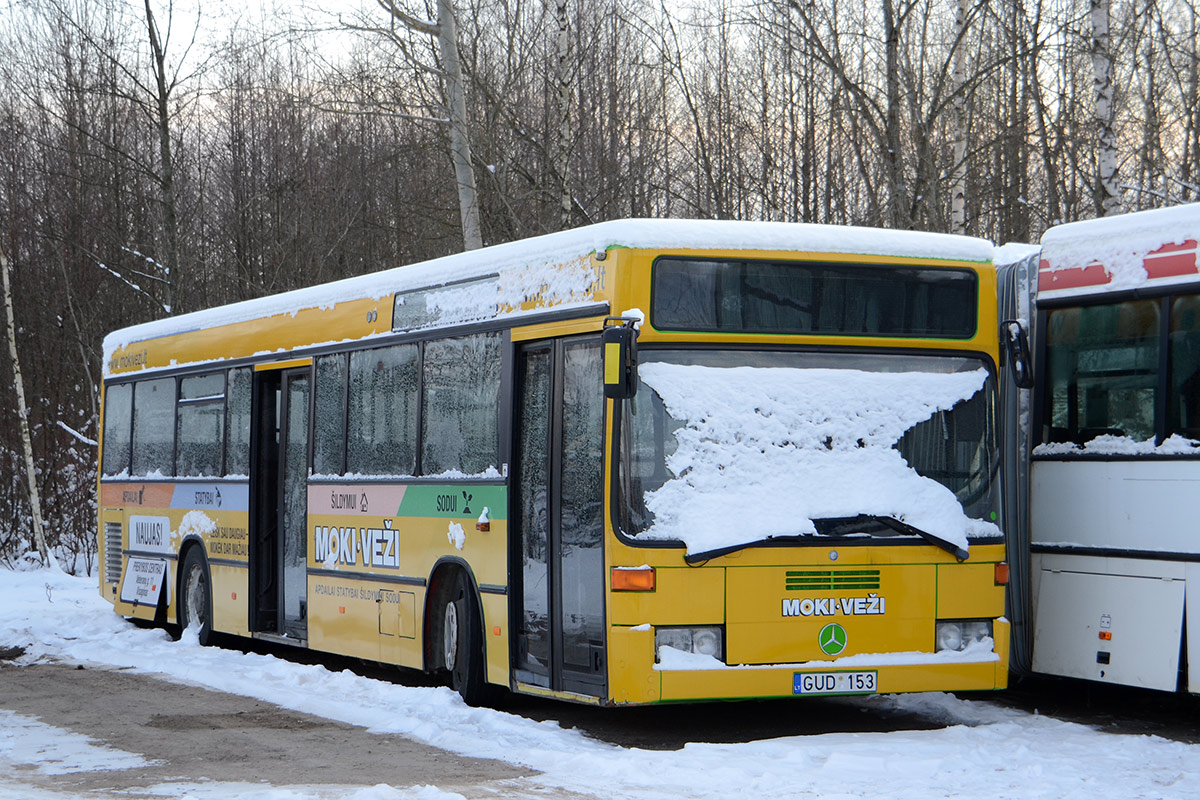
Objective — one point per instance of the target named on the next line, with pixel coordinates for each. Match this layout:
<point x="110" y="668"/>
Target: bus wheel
<point x="462" y="644"/>
<point x="195" y="598"/>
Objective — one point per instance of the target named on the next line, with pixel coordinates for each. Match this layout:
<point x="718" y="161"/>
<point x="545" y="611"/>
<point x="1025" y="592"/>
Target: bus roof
<point x="557" y="264"/>
<point x="1119" y="253"/>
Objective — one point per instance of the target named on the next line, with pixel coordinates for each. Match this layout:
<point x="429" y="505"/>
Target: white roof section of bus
<point x="1123" y="252"/>
<point x="539" y="262"/>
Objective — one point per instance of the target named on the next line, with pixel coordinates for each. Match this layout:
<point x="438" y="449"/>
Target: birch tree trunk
<point x="562" y="140"/>
<point x="1108" y="190"/>
<point x="35" y="500"/>
<point x="460" y="146"/>
<point x="897" y="212"/>
<point x="958" y="180"/>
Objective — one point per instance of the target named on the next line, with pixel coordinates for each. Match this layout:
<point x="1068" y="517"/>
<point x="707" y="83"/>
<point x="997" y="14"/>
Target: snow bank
<point x="987" y="750"/>
<point x="764" y="451"/>
<point x="53" y="751"/>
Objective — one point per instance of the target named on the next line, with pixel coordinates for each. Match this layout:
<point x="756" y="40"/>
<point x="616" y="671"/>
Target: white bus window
<point x="329" y="427"/>
<point x="462" y="398"/>
<point x="200" y="424"/>
<point x="154" y="427"/>
<point x="382" y="415"/>
<point x="1184" y="405"/>
<point x="118" y="420"/>
<point x="1102" y="372"/>
<point x="237" y="432"/>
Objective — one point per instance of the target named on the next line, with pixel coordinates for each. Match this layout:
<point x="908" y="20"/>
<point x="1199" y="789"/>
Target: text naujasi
<point x="870" y="605"/>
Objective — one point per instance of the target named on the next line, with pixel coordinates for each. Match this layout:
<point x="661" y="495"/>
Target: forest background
<point x="162" y="156"/>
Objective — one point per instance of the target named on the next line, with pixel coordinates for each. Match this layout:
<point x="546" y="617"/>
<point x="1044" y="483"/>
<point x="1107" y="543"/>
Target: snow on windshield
<point x="764" y="451"/>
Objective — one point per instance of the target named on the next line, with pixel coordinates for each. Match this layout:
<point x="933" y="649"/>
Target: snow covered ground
<point x="984" y="751"/>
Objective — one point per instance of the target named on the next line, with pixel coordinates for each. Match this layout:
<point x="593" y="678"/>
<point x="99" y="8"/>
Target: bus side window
<point x="154" y="428"/>
<point x="200" y="424"/>
<point x="460" y="428"/>
<point x="1184" y="342"/>
<point x="237" y="423"/>
<point x="382" y="416"/>
<point x="329" y="426"/>
<point x="118" y="427"/>
<point x="1102" y="368"/>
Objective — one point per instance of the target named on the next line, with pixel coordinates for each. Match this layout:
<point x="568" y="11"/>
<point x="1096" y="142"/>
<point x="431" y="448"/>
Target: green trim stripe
<point x="830" y="580"/>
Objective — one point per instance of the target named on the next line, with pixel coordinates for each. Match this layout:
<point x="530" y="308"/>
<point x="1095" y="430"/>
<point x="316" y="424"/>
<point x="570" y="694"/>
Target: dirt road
<point x="193" y="735"/>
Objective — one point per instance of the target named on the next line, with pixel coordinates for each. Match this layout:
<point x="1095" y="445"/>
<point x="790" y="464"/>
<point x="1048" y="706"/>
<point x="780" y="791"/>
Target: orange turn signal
<point x="1002" y="573"/>
<point x="626" y="579"/>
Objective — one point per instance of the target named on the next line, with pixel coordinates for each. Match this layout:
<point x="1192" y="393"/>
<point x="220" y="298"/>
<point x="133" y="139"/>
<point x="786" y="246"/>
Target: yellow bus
<point x="643" y="461"/>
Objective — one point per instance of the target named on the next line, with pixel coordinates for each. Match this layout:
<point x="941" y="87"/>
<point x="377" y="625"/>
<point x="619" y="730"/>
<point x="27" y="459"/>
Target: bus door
<point x="559" y="514"/>
<point x="279" y="498"/>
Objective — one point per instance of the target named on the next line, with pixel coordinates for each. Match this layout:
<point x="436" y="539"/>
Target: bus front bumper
<point x="635" y="678"/>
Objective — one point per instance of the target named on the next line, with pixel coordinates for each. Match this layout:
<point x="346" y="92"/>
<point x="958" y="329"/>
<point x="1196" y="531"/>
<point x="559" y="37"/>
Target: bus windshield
<point x="722" y="448"/>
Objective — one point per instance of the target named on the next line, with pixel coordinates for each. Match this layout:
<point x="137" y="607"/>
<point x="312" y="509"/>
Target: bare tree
<point x="35" y="499"/>
<point x="164" y="85"/>
<point x="444" y="29"/>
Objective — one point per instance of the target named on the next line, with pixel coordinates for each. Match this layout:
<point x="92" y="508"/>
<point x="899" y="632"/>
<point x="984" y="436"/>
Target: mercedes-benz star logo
<point x="832" y="639"/>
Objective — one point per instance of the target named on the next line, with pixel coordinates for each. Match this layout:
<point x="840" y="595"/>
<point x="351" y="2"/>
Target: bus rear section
<point x="1116" y="458"/>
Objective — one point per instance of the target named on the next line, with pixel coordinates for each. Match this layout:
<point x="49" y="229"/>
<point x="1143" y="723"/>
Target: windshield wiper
<point x="840" y="526"/>
<point x="705" y="555"/>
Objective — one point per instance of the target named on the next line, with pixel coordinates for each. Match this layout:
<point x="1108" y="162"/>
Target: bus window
<point x="329" y="427"/>
<point x="1102" y="372"/>
<point x="118" y="411"/>
<point x="462" y="395"/>
<point x="199" y="424"/>
<point x="789" y="297"/>
<point x="582" y="506"/>
<point x="237" y="431"/>
<point x="154" y="427"/>
<point x="1184" y="343"/>
<point x="383" y="411"/>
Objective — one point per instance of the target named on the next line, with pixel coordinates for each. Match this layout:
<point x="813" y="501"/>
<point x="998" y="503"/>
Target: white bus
<point x="1114" y="470"/>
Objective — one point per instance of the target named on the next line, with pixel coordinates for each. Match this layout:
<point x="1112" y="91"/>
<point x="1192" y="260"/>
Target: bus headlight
<point x="958" y="634"/>
<point x="706" y="641"/>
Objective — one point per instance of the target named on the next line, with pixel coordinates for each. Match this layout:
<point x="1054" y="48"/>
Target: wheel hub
<point x="450" y="635"/>
<point x="195" y="597"/>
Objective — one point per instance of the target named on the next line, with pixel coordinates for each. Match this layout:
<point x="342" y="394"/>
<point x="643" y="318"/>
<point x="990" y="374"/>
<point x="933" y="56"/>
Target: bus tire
<point x="195" y="596"/>
<point x="462" y="643"/>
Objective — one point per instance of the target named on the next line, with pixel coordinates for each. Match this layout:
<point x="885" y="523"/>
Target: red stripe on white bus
<point x="1168" y="261"/>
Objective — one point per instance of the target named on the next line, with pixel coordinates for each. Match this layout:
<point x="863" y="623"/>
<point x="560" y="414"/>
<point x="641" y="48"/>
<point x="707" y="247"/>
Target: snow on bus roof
<point x="532" y="261"/>
<point x="1121" y="252"/>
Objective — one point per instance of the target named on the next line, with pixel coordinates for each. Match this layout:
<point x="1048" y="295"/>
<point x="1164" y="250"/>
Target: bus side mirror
<point x="620" y="358"/>
<point x="1016" y="349"/>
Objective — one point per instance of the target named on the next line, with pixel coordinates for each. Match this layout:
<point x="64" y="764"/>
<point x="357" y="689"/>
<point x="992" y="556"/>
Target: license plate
<point x="835" y="683"/>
